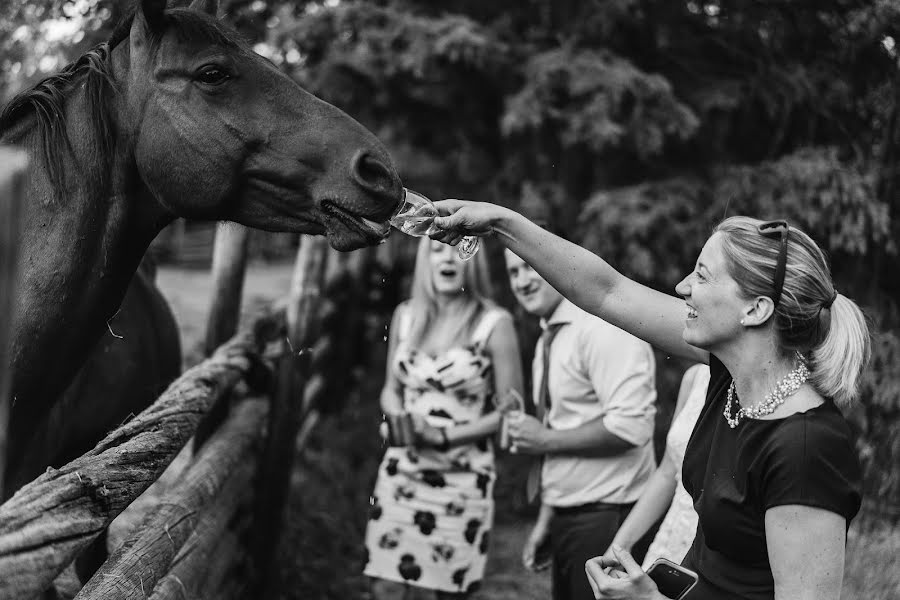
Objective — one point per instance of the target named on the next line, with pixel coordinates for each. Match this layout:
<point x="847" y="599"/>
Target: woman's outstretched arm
<point x="579" y="275"/>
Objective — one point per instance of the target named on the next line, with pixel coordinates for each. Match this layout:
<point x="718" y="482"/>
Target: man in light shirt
<point x="593" y="431"/>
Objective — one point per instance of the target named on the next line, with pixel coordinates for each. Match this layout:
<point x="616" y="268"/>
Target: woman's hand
<point x="609" y="582"/>
<point x="462" y="217"/>
<point x="425" y="434"/>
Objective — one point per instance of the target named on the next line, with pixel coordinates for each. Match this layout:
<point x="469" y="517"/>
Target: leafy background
<point x="634" y="125"/>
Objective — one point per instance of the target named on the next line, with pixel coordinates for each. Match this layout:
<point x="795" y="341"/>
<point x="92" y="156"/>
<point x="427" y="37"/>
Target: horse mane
<point x="45" y="101"/>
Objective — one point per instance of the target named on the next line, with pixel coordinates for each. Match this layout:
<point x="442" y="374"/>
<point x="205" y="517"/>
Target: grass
<point x="321" y="554"/>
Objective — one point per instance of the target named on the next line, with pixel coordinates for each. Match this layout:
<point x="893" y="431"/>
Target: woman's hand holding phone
<point x="620" y="578"/>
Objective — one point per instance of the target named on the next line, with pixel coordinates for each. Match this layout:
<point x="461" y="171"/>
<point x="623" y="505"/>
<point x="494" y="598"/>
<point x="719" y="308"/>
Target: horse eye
<point x="213" y="76"/>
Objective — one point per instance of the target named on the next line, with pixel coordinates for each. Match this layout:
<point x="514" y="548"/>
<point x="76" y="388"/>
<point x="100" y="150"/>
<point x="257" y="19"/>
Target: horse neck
<point x="79" y="251"/>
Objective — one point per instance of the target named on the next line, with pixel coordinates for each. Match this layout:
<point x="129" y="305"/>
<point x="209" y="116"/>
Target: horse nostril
<point x="374" y="175"/>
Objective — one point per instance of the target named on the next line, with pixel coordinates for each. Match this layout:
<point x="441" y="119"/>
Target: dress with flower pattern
<point x="432" y="511"/>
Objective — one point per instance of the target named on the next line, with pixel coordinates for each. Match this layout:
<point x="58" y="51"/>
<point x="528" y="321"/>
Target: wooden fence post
<point x="12" y="168"/>
<point x="287" y="408"/>
<point x="228" y="268"/>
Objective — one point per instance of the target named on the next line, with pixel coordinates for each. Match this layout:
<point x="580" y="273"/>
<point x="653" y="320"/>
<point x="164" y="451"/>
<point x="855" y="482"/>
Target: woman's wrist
<point x="502" y="223"/>
<point x="623" y="542"/>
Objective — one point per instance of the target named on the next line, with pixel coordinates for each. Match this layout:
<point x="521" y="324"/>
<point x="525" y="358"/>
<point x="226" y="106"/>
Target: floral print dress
<point x="431" y="511"/>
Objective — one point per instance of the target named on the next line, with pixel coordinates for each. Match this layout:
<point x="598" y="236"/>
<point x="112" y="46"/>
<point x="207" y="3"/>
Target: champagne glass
<point x="415" y="217"/>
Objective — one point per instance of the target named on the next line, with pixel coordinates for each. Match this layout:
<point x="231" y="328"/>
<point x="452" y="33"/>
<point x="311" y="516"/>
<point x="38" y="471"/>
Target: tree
<point x="637" y="123"/>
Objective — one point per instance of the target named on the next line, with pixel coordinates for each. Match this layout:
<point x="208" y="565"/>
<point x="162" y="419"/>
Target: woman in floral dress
<point x="451" y="351"/>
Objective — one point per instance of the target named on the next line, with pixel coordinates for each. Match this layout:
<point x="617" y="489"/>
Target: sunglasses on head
<point x="777" y="229"/>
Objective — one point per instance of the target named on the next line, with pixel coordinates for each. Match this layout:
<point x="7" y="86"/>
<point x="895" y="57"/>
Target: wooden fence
<point x="214" y="533"/>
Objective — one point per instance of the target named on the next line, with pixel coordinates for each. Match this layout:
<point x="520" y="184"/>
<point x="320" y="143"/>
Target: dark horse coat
<point x="131" y="364"/>
<point x="174" y="116"/>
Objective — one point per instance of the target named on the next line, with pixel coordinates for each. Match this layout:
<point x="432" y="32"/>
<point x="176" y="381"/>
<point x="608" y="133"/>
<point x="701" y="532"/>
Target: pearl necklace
<point x="786" y="387"/>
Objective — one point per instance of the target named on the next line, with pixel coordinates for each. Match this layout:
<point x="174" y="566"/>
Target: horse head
<point x="219" y="133"/>
<point x="175" y="116"/>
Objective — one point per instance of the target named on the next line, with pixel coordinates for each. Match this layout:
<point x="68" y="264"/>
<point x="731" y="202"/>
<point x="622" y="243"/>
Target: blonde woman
<point x="451" y="351"/>
<point x="771" y="465"/>
<point x="664" y="494"/>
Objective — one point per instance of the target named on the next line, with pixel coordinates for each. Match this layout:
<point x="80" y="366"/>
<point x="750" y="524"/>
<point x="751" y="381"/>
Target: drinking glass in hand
<point x="415" y="217"/>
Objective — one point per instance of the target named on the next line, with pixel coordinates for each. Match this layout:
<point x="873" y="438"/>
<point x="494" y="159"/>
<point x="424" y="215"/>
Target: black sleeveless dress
<point x="735" y="475"/>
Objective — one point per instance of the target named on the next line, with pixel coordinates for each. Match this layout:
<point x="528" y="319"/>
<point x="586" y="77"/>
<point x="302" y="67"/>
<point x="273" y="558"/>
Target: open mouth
<point x="372" y="231"/>
<point x="691" y="312"/>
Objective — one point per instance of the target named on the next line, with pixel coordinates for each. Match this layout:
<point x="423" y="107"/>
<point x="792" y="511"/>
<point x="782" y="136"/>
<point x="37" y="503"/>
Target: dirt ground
<point x="321" y="554"/>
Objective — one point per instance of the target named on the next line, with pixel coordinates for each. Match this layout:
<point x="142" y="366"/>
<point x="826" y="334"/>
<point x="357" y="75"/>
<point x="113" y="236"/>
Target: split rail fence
<point x="214" y="532"/>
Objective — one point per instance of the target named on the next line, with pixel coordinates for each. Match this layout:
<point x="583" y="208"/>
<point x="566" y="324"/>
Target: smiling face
<point x="715" y="305"/>
<point x="447" y="268"/>
<point x="534" y="294"/>
<point x="221" y="134"/>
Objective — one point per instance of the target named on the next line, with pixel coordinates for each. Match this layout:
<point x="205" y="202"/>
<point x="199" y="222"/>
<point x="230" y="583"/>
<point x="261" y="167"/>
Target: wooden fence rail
<point x="224" y="467"/>
<point x="47" y="523"/>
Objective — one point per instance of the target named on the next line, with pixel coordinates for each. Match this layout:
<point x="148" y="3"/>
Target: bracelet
<point x="445" y="441"/>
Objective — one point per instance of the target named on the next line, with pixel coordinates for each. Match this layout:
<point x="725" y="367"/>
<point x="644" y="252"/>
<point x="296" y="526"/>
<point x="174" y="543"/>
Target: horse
<point x="136" y="358"/>
<point x="174" y="116"/>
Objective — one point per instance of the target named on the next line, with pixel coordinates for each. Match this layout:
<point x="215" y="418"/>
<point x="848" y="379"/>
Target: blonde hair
<point x="811" y="317"/>
<point x="476" y="289"/>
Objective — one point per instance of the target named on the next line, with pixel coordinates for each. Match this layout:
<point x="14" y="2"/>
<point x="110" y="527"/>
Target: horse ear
<point x="210" y="7"/>
<point x="149" y="18"/>
<point x="152" y="12"/>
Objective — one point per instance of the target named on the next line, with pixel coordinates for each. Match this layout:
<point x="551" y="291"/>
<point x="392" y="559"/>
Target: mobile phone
<point x="673" y="581"/>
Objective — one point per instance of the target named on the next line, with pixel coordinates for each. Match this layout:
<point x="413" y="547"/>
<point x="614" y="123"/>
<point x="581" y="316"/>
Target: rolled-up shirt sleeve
<point x="622" y="371"/>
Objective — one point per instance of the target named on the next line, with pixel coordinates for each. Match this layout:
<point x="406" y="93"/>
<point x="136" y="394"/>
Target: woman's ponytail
<point x="838" y="361"/>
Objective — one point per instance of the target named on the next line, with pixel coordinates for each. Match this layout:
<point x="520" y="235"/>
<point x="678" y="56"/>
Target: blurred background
<point x="633" y="125"/>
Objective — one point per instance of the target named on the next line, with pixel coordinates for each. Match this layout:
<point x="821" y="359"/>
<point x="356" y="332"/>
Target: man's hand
<point x="535" y="540"/>
<point x="526" y="434"/>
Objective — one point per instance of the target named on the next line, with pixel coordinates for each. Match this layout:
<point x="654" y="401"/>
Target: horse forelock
<point x="186" y="24"/>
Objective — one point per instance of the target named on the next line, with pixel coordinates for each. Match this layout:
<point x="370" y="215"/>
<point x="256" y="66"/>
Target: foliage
<point x="598" y="100"/>
<point x="636" y="124"/>
<point x="38" y="38"/>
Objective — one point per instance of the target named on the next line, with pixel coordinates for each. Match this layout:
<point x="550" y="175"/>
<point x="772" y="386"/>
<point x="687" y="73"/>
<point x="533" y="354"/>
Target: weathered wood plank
<point x="204" y="498"/>
<point x="212" y="551"/>
<point x="287" y="406"/>
<point x="51" y="520"/>
<point x="12" y="167"/>
<point x="228" y="269"/>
